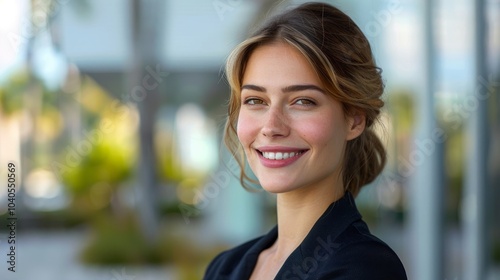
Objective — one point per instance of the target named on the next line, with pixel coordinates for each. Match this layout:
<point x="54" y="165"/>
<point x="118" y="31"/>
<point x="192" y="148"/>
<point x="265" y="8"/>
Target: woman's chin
<point x="277" y="188"/>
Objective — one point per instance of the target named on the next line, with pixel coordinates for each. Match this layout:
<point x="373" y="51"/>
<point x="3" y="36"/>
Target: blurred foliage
<point x="169" y="169"/>
<point x="401" y="105"/>
<point x="454" y="163"/>
<point x="119" y="242"/>
<point x="105" y="163"/>
<point x="93" y="168"/>
<point x="12" y="92"/>
<point x="178" y="208"/>
<point x="49" y="124"/>
<point x="398" y="126"/>
<point x="22" y="90"/>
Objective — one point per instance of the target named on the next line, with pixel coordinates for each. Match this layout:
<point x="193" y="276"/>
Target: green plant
<point x="119" y="241"/>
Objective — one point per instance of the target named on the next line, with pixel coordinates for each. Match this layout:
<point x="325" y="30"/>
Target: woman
<point x="305" y="93"/>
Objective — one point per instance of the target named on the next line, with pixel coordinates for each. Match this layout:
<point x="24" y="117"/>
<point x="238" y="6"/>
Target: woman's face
<point x="292" y="132"/>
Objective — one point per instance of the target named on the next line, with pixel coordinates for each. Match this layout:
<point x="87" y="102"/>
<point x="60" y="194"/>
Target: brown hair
<point x="341" y="55"/>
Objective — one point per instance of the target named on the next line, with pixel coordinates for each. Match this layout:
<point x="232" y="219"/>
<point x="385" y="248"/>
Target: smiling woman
<point x="305" y="93"/>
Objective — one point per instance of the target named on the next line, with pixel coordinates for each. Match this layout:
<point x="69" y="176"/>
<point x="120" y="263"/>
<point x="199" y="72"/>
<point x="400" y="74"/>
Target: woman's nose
<point x="275" y="123"/>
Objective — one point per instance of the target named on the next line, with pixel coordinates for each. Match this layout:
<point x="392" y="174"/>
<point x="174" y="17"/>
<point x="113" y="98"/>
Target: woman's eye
<point x="304" y="102"/>
<point x="253" y="101"/>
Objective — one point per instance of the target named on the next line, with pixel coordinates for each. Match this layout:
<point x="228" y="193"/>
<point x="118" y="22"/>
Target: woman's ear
<point x="355" y="125"/>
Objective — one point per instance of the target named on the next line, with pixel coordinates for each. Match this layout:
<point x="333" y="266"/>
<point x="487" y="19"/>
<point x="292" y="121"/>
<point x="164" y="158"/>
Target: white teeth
<point x="279" y="155"/>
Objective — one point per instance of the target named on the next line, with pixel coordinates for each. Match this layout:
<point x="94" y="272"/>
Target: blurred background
<point x="112" y="112"/>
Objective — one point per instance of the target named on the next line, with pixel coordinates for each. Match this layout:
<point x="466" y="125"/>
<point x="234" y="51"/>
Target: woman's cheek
<point x="245" y="129"/>
<point x="314" y="129"/>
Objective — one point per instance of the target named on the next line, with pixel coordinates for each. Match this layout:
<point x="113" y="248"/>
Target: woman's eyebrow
<point x="295" y="88"/>
<point x="288" y="89"/>
<point x="253" y="87"/>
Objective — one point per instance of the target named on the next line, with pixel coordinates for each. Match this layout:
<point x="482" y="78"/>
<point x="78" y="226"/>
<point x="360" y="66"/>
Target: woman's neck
<point x="298" y="211"/>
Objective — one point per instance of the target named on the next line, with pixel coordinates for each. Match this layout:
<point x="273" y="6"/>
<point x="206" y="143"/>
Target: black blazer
<point x="339" y="246"/>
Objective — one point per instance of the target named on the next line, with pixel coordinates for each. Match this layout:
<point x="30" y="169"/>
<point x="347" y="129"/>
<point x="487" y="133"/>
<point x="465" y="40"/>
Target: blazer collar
<point x="319" y="242"/>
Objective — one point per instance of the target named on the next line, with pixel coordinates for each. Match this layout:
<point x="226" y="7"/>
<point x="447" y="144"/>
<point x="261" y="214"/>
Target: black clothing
<point x="339" y="246"/>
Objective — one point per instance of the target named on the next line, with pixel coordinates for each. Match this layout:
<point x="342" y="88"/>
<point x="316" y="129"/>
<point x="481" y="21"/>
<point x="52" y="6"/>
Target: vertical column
<point x="145" y="29"/>
<point x="475" y="191"/>
<point x="426" y="189"/>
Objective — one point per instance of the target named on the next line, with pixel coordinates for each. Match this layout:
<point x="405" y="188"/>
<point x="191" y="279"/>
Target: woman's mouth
<point x="273" y="158"/>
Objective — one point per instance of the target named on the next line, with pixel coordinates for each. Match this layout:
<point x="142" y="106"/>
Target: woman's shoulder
<point x="340" y="246"/>
<point x="361" y="255"/>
